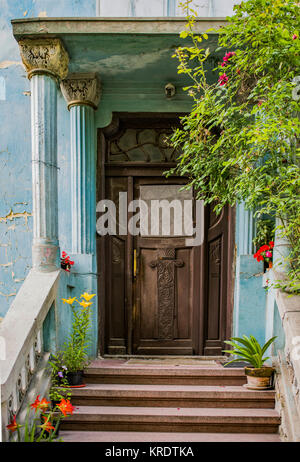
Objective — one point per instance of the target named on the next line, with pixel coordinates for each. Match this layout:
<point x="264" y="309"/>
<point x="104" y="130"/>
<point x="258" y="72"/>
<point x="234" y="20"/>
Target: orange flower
<point x="44" y="404"/>
<point x="65" y="407"/>
<point x="13" y="426"/>
<point x="47" y="426"/>
<point x="36" y="404"/>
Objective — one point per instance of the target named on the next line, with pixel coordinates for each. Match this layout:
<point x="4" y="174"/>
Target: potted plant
<point x="258" y="374"/>
<point x="65" y="262"/>
<point x="74" y="354"/>
<point x="265" y="254"/>
<point x="59" y="382"/>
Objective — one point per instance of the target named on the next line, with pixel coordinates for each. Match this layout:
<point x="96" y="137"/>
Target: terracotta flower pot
<point x="259" y="378"/>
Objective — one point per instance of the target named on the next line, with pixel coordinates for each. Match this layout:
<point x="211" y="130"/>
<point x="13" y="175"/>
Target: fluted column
<point x="245" y="230"/>
<point x="46" y="62"/>
<point x="82" y="93"/>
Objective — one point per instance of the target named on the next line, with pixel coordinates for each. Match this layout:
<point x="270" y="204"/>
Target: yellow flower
<point x="87" y="296"/>
<point x="69" y="301"/>
<point x="85" y="304"/>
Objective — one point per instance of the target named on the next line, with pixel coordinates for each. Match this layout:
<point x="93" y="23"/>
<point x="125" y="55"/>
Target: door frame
<point x="144" y="170"/>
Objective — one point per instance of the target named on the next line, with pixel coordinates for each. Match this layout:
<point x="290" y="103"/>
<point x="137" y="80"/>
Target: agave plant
<point x="249" y="350"/>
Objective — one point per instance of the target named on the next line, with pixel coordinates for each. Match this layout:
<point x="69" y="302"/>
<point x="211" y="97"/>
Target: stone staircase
<point x="161" y="403"/>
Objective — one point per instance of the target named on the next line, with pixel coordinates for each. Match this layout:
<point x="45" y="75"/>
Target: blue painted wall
<point x="15" y="167"/>
<point x="15" y="142"/>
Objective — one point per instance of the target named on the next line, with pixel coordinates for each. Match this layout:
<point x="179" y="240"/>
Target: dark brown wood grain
<point x="180" y="300"/>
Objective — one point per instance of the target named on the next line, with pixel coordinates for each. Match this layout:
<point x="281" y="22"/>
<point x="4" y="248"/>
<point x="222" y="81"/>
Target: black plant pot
<point x="54" y="403"/>
<point x="75" y="378"/>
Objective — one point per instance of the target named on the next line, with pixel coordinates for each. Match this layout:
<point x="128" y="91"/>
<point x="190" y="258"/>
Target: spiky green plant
<point x="249" y="350"/>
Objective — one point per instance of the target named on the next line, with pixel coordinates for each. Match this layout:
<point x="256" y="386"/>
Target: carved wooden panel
<point x="165" y="265"/>
<point x="164" y="299"/>
<point x="142" y="145"/>
<point x="216" y="282"/>
<point x="115" y="278"/>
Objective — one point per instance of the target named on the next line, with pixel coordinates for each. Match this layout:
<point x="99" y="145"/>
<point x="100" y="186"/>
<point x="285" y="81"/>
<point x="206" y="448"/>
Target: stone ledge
<point x="289" y="310"/>
<point x="76" y="26"/>
<point x="25" y="317"/>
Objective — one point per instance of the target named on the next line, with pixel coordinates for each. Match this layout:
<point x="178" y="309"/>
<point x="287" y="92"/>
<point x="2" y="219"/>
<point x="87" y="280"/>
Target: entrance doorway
<point x="158" y="295"/>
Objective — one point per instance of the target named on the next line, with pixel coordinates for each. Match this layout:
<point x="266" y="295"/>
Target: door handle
<point x="134" y="264"/>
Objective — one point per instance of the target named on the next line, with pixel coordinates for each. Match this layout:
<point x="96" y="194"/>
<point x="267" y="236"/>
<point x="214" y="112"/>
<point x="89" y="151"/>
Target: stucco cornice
<point x="78" y="26"/>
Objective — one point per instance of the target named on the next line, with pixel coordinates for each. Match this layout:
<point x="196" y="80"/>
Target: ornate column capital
<point x="82" y="89"/>
<point x="44" y="56"/>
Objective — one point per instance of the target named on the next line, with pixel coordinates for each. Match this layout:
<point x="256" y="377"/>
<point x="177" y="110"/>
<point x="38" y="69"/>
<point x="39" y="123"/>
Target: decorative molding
<point x="142" y="145"/>
<point x="166" y="284"/>
<point x="44" y="56"/>
<point x="82" y="89"/>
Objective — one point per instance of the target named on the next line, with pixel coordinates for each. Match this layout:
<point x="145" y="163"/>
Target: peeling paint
<point x="16" y="279"/>
<point x="27" y="93"/>
<point x="6" y="64"/>
<point x="6" y="264"/>
<point x="42" y="14"/>
<point x="25" y="13"/>
<point x="11" y="216"/>
<point x="13" y="294"/>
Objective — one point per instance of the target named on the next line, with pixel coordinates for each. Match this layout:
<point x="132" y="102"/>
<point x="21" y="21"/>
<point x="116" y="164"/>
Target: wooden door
<point x="158" y="295"/>
<point x="166" y="282"/>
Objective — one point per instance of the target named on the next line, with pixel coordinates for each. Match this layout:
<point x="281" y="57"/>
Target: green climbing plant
<point x="241" y="140"/>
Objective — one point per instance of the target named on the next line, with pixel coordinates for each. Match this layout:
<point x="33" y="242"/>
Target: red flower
<point x="264" y="248"/>
<point x="65" y="407"/>
<point x="227" y="57"/>
<point x="47" y="426"/>
<point x="295" y="37"/>
<point x="36" y="404"/>
<point x="271" y="244"/>
<point x="13" y="426"/>
<point x="63" y="254"/>
<point x="223" y="79"/>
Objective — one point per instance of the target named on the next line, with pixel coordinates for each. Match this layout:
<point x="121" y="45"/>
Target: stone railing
<point x="287" y="309"/>
<point x="23" y="341"/>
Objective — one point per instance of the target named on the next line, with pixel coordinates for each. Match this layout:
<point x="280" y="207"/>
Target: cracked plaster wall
<point x="15" y="142"/>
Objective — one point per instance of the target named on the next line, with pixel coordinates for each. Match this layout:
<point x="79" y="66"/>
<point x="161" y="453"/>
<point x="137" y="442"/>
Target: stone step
<point x="173" y="375"/>
<point x="151" y="437"/>
<point x="172" y="396"/>
<point x="166" y="419"/>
